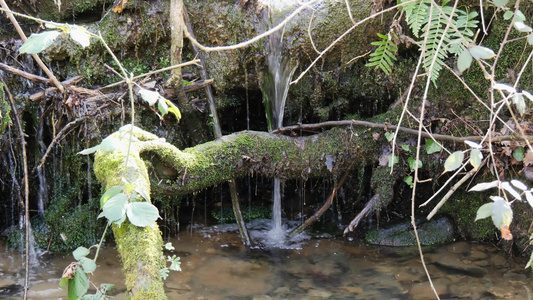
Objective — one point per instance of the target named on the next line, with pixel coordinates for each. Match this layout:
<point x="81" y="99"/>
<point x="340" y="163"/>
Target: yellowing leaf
<point x="80" y="36"/>
<point x="475" y="158"/>
<point x="480" y="52"/>
<point x="173" y="109"/>
<point x="454" y="161"/>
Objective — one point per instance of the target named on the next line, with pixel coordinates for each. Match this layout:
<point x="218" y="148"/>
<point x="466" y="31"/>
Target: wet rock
<point x="323" y="294"/>
<point x="433" y="232"/>
<point x="459" y="248"/>
<point x="423" y="291"/>
<point x="352" y="289"/>
<point x="459" y="266"/>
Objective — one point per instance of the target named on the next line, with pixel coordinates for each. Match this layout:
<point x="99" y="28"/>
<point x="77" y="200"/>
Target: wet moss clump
<point x="226" y="214"/>
<point x="5" y="120"/>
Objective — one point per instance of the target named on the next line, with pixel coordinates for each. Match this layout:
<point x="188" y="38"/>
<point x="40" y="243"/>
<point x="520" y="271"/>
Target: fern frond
<point x="385" y="54"/>
<point x="417" y="15"/>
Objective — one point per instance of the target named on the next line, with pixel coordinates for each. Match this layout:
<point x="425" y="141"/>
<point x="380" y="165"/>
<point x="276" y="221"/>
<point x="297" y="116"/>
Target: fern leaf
<point x="385" y="55"/>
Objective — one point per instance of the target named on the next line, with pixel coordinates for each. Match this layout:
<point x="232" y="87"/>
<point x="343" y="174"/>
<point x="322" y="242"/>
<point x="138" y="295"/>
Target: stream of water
<point x="215" y="265"/>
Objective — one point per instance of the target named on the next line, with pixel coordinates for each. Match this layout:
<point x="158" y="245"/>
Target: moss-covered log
<point x="140" y="248"/>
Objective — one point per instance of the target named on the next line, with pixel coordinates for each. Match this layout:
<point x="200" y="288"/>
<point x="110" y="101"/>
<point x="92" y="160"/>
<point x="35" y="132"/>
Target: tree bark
<point x="176" y="48"/>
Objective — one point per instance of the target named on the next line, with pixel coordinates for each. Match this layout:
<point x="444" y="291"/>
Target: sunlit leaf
<point x="108" y="144"/>
<point x="519" y="153"/>
<point x="520" y="26"/>
<point x="504" y="87"/>
<point x="473" y="145"/>
<point x="484" y="211"/>
<point x="80" y="36"/>
<point x="149" y="96"/>
<point x="63" y="282"/>
<point x="519" y="16"/>
<point x="109" y="193"/>
<point x="530" y="39"/>
<point x="412" y="164"/>
<point x="393" y="159"/>
<point x="432" y="147"/>
<point x="454" y="161"/>
<point x="79" y="285"/>
<point x="484" y="186"/>
<point x="173" y="109"/>
<point x="464" y="61"/>
<point x="508" y="15"/>
<point x="37" y="42"/>
<point x="506" y="186"/>
<point x="500" y="3"/>
<point x="80" y="252"/>
<point x="142" y="214"/>
<point x="496" y="198"/>
<point x="87" y="264"/>
<point x="520" y="103"/>
<point x="506" y="233"/>
<point x="527" y="94"/>
<point x="518" y="184"/>
<point x="169" y="246"/>
<point x="142" y="193"/>
<point x="115" y="207"/>
<point x="529" y="198"/>
<point x="405" y="147"/>
<point x="502" y="214"/>
<point x="89" y="150"/>
<point x="175" y="263"/>
<point x="164" y="273"/>
<point x="389" y="136"/>
<point x="409" y="180"/>
<point x="480" y="52"/>
<point x="162" y="106"/>
<point x="475" y="158"/>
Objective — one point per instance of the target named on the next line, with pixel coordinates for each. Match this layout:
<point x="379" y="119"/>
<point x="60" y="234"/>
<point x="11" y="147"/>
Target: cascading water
<point x="275" y="90"/>
<point x="42" y="195"/>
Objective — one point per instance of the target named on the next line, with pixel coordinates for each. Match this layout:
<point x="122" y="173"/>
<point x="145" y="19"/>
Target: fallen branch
<point x="26" y="75"/>
<point x="73" y="80"/>
<point x="198" y="85"/>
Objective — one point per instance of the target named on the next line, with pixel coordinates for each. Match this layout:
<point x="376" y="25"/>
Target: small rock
<point x="352" y="289"/>
<point x="319" y="294"/>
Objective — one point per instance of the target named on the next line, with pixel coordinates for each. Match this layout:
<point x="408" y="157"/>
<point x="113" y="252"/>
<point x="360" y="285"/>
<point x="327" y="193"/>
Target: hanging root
<point x="369" y="207"/>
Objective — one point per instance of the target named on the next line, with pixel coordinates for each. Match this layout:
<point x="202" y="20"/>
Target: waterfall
<point x="275" y="90"/>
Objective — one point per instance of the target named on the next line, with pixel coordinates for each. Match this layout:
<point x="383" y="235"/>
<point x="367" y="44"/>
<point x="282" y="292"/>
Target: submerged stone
<point x="434" y="232"/>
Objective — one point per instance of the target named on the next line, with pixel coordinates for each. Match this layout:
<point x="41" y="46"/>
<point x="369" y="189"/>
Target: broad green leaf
<point x="393" y="159"/>
<point x="109" y="193"/>
<point x="500" y="3"/>
<point x="508" y="15"/>
<point x="506" y="186"/>
<point x="79" y="285"/>
<point x="173" y="109"/>
<point x="405" y="148"/>
<point x="473" y="145"/>
<point x="464" y="61"/>
<point x="80" y="252"/>
<point x="454" y="161"/>
<point x="63" y="282"/>
<point x="37" y="42"/>
<point x="519" y="16"/>
<point x="162" y="106"/>
<point x="530" y="39"/>
<point x="480" y="52"/>
<point x="519" y="153"/>
<point x="502" y="214"/>
<point x="475" y="158"/>
<point x="412" y="164"/>
<point x="89" y="150"/>
<point x="518" y="184"/>
<point x="87" y="264"/>
<point x="120" y="221"/>
<point x="520" y="26"/>
<point x="484" y="211"/>
<point x="389" y="136"/>
<point x="108" y="144"/>
<point x="409" y="180"/>
<point x="115" y="208"/>
<point x="142" y="214"/>
<point x="432" y="147"/>
<point x="484" y="186"/>
<point x="520" y="103"/>
<point x="149" y="96"/>
<point x="80" y="36"/>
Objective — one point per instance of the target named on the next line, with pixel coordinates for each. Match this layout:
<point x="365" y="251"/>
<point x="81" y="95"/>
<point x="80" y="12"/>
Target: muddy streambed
<point x="215" y="266"/>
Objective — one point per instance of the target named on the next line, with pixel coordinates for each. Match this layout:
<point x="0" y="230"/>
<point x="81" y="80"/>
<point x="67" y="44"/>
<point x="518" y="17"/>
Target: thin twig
<point x="26" y="75"/>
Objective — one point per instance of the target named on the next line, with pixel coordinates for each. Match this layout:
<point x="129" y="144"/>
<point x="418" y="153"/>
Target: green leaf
<point x="80" y="36"/>
<point x="37" y="42"/>
<point x="480" y="52"/>
<point x="530" y="261"/>
<point x="508" y="15"/>
<point x="169" y="246"/>
<point x="142" y="214"/>
<point x="520" y="103"/>
<point x="63" y="282"/>
<point x="432" y="147"/>
<point x="475" y="158"/>
<point x="78" y="286"/>
<point x="109" y="193"/>
<point x="164" y="273"/>
<point x="149" y="96"/>
<point x="464" y="61"/>
<point x="409" y="180"/>
<point x="162" y="106"/>
<point x="89" y="150"/>
<point x="520" y="26"/>
<point x="405" y="148"/>
<point x="80" y="252"/>
<point x="389" y="136"/>
<point x="530" y="39"/>
<point x="173" y="109"/>
<point x="519" y="16"/>
<point x="502" y="214"/>
<point x="108" y="144"/>
<point x="115" y="208"/>
<point x="484" y="211"/>
<point x="142" y="193"/>
<point x="87" y="264"/>
<point x="412" y="164"/>
<point x="454" y="161"/>
<point x="175" y="263"/>
<point x="500" y="3"/>
<point x="519" y="153"/>
<point x="393" y="159"/>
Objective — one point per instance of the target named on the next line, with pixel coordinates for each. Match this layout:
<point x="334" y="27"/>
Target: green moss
<point x="5" y="109"/>
<point x="226" y="214"/>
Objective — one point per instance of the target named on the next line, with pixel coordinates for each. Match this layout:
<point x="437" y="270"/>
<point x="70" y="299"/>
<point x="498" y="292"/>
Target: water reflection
<point x="216" y="266"/>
